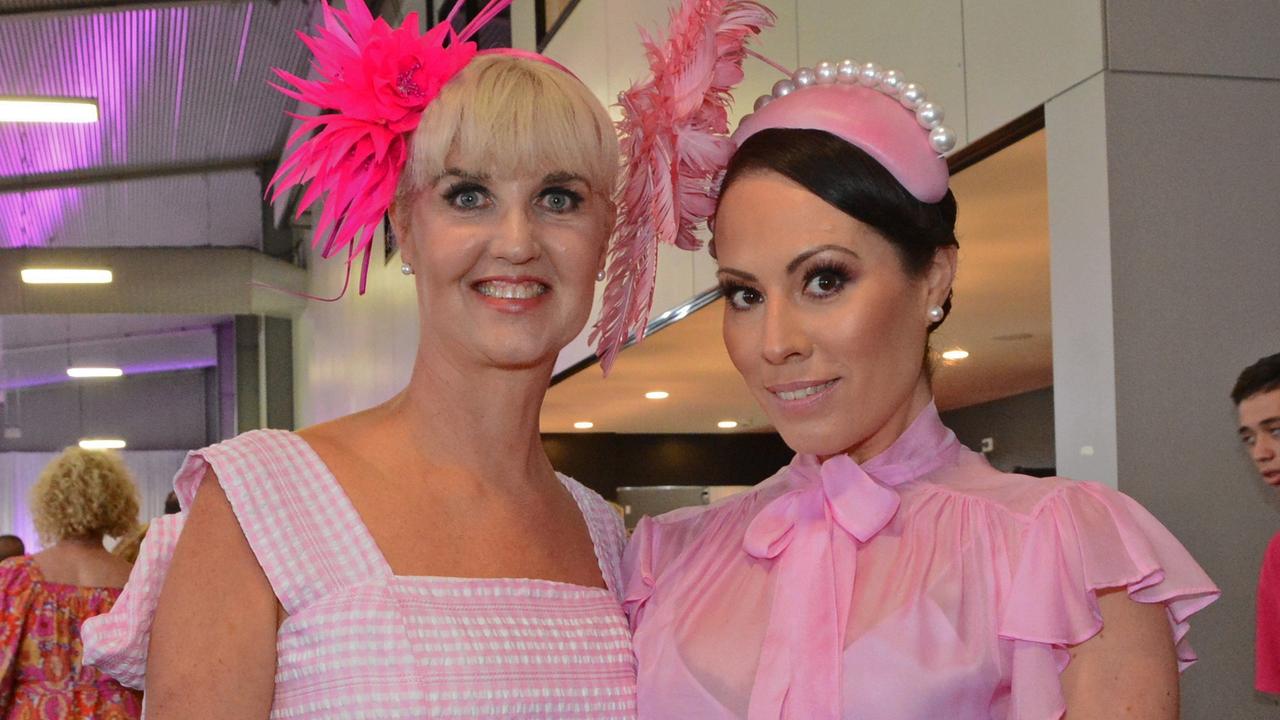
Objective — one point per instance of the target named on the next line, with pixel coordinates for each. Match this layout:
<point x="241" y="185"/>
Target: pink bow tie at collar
<point x="812" y="534"/>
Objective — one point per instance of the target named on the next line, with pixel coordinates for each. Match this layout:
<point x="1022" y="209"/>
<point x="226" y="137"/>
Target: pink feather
<point x="674" y="129"/>
<point x="375" y="82"/>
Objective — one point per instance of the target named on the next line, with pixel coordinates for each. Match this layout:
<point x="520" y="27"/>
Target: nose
<point x="784" y="339"/>
<point x="515" y="239"/>
<point x="1265" y="447"/>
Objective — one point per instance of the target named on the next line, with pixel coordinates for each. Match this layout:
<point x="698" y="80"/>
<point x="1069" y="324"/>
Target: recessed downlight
<point x="66" y="276"/>
<point x="657" y="395"/>
<point x="956" y="354"/>
<point x="584" y="425"/>
<point x="727" y="424"/>
<point x="102" y="444"/>
<point x="94" y="372"/>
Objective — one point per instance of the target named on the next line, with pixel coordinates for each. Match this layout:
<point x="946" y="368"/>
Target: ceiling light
<point x="94" y="372"/>
<point x="102" y="444"/>
<point x="65" y="276"/>
<point x="48" y="110"/>
<point x="584" y="425"/>
<point x="956" y="354"/>
<point x="727" y="424"/>
<point x="657" y="395"/>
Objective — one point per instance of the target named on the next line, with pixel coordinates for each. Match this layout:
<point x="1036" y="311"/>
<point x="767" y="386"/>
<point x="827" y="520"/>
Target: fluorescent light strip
<point x="94" y="372"/>
<point x="48" y="110"/>
<point x="66" y="276"/>
<point x="102" y="444"/>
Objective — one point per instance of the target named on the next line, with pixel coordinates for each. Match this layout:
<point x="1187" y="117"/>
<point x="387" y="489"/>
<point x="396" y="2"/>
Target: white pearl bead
<point x="869" y="75"/>
<point x="891" y="82"/>
<point x="911" y="96"/>
<point x="804" y="77"/>
<point x="942" y="139"/>
<point x="783" y="88"/>
<point x="847" y="71"/>
<point x="761" y="102"/>
<point x="929" y="115"/>
<point x="825" y="72"/>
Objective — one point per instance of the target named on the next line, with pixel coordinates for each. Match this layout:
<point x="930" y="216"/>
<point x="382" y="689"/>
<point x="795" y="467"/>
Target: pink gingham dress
<point x="362" y="642"/>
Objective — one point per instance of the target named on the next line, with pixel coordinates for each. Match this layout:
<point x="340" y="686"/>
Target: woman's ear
<point x="942" y="274"/>
<point x="399" y="225"/>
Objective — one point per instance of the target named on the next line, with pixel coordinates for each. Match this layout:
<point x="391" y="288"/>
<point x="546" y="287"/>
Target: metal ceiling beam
<point x="82" y="7"/>
<point x="94" y="176"/>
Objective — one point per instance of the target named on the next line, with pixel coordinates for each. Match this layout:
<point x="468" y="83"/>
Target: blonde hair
<point x="513" y="116"/>
<point x="129" y="546"/>
<point x="84" y="493"/>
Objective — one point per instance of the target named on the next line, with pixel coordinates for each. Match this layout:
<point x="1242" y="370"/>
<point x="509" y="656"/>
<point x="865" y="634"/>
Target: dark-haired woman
<point x="887" y="572"/>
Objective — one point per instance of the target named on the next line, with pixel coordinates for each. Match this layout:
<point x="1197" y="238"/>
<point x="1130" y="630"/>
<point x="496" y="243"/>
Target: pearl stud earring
<point x="406" y="269"/>
<point x="936" y="313"/>
<point x="600" y="276"/>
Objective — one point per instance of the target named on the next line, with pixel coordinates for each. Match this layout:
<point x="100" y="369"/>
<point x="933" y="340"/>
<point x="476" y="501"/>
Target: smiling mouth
<point x="506" y="290"/>
<point x="803" y="392"/>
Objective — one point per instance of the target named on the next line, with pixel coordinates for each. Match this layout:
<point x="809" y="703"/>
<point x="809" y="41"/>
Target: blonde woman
<point x="80" y="497"/>
<point x="420" y="558"/>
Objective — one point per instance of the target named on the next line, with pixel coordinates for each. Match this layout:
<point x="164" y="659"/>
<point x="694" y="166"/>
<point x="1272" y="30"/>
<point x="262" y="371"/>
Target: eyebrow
<point x="799" y="260"/>
<point x="461" y="174"/>
<point x="562" y="176"/>
<point x="796" y="262"/>
<point x="1265" y="422"/>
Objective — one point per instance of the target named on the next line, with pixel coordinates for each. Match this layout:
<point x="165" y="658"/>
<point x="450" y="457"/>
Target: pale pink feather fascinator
<point x="674" y="137"/>
<point x="374" y="83"/>
<point x="675" y="157"/>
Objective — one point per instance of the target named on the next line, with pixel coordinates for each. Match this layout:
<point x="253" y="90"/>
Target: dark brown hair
<point x="853" y="182"/>
<point x="1262" y="376"/>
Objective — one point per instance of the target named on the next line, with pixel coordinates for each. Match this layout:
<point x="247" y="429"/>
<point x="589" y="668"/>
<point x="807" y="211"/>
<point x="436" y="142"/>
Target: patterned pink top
<point x="362" y="642"/>
<point x="921" y="584"/>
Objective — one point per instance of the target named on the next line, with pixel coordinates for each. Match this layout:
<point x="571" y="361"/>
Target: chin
<point x="816" y="440"/>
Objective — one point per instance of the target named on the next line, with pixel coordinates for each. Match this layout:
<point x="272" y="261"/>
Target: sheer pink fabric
<point x="922" y="584"/>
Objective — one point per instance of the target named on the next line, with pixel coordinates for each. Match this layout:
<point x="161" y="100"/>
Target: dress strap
<point x="300" y="525"/>
<point x="608" y="534"/>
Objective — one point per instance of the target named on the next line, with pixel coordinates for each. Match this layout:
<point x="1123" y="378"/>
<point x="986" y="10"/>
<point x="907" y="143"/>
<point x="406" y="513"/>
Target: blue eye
<point x="467" y="196"/>
<point x="560" y="200"/>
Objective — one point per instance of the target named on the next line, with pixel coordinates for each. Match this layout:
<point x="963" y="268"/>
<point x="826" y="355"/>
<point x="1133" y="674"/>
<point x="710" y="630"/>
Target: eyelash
<point x="840" y="272"/>
<point x="734" y="292"/>
<point x="454" y="192"/>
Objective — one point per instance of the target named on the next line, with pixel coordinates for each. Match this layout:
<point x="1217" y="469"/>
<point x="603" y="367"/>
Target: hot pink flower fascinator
<point x="675" y="158"/>
<point x="374" y="83"/>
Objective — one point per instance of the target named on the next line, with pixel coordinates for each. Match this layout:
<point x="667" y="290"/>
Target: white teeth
<point x="511" y="291"/>
<point x="804" y="392"/>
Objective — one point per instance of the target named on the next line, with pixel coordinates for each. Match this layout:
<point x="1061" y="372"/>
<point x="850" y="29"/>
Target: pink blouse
<point x="922" y="584"/>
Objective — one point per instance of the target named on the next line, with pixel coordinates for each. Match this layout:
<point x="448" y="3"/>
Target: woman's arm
<point x="1128" y="671"/>
<point x="213" y="644"/>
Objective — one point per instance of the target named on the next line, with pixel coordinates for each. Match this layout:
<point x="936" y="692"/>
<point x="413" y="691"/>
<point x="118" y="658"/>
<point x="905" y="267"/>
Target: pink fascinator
<point x="674" y="135"/>
<point x="677" y="148"/>
<point x="374" y="83"/>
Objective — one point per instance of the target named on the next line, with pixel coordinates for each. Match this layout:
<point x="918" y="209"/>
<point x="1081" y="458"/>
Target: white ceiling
<point x="1001" y="316"/>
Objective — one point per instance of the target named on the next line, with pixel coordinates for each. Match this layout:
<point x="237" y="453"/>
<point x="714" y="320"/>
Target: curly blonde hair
<point x="84" y="493"/>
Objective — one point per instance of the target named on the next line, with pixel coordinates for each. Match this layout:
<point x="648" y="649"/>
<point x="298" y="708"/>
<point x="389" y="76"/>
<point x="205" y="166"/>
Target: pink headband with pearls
<point x="868" y="108"/>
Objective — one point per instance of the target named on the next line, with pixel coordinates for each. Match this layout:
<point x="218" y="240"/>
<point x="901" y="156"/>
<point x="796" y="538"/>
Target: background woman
<point x="78" y="498"/>
<point x="887" y="572"/>
<point x="420" y="558"/>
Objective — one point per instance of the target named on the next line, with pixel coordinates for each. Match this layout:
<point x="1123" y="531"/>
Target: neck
<point x="477" y="421"/>
<point x="897" y="423"/>
<point x="84" y="542"/>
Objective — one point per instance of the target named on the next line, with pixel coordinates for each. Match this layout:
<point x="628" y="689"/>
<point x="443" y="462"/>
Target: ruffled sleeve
<point x="637" y="569"/>
<point x="15" y="595"/>
<point x="1083" y="538"/>
<point x="116" y="642"/>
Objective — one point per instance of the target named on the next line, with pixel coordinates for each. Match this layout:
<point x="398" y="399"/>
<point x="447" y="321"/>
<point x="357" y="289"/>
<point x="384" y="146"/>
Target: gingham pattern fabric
<point x="361" y="642"/>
